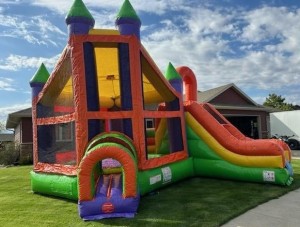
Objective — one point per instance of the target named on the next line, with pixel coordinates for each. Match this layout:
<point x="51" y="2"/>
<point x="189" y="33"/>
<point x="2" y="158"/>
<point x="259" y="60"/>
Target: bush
<point x="25" y="157"/>
<point x="9" y="154"/>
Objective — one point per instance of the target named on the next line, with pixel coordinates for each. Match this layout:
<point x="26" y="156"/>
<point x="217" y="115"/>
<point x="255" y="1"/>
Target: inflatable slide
<point x="221" y="151"/>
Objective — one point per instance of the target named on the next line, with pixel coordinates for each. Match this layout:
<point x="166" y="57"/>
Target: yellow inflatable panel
<point x="151" y="149"/>
<point x="160" y="132"/>
<point x="104" y="32"/>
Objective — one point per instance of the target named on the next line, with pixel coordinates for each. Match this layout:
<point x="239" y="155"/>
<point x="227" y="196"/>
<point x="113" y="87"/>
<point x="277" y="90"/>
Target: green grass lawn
<point x="193" y="202"/>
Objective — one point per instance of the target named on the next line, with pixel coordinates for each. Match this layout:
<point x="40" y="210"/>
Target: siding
<point x="26" y="130"/>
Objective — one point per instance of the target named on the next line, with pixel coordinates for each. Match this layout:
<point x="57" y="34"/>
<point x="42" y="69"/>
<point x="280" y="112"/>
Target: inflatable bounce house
<point x="109" y="127"/>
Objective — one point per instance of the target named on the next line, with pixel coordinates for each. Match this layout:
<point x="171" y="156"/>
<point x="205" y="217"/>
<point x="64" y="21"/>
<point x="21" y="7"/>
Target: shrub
<point x="9" y="154"/>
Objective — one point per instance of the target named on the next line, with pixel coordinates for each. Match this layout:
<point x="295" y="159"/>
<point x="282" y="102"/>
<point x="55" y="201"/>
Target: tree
<point x="278" y="102"/>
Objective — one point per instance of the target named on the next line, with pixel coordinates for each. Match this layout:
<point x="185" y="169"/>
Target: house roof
<point x="209" y="95"/>
<point x="6" y="137"/>
<point x="14" y="118"/>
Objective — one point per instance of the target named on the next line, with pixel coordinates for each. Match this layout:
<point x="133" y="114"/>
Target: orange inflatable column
<point x="189" y="82"/>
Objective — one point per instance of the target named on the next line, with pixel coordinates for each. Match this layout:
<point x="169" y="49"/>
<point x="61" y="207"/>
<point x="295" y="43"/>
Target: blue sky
<point x="254" y="44"/>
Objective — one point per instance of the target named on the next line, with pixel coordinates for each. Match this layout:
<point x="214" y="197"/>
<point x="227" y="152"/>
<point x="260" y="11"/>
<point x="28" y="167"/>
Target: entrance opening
<point x="248" y="125"/>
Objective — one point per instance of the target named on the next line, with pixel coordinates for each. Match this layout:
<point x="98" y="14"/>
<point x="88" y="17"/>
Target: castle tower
<point x="174" y="124"/>
<point x="79" y="20"/>
<point x="127" y="21"/>
<point x="38" y="81"/>
<point x="174" y="78"/>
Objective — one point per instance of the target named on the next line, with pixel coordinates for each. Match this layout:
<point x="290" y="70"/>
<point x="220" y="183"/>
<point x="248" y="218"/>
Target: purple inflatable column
<point x="42" y="138"/>
<point x="79" y="21"/>
<point x="128" y="23"/>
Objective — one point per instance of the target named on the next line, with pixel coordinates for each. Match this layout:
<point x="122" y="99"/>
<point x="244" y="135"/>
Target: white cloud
<point x="10" y="2"/>
<point x="269" y="23"/>
<point x="6" y="84"/>
<point x="155" y="6"/>
<point x="209" y="39"/>
<point x="57" y="6"/>
<point x="256" y="49"/>
<point x="204" y="21"/>
<point x="18" y="62"/>
<point x="35" y="30"/>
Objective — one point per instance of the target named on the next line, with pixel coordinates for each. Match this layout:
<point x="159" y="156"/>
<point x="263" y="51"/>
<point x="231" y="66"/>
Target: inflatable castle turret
<point x="38" y="80"/>
<point x="174" y="78"/>
<point x="79" y="19"/>
<point x="127" y="21"/>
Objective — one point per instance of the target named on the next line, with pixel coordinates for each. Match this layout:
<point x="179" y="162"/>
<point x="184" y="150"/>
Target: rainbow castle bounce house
<point x="109" y="127"/>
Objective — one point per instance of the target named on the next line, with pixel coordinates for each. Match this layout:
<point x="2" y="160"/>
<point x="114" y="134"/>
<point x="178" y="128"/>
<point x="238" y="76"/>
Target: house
<point x="21" y="122"/>
<point x="249" y="117"/>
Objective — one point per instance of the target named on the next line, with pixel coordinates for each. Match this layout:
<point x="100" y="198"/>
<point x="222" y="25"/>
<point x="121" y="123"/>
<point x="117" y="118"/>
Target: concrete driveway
<point x="296" y="153"/>
<point x="283" y="211"/>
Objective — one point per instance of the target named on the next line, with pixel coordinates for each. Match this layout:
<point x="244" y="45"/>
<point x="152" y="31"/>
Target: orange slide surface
<point x="230" y="137"/>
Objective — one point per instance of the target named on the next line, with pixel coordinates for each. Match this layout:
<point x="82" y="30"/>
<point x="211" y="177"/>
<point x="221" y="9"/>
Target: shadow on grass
<point x="202" y="202"/>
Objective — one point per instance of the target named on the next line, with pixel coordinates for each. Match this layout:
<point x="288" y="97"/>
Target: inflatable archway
<point x="121" y="198"/>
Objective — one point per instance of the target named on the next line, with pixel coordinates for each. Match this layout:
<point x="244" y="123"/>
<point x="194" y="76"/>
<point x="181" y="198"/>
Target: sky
<point x="253" y="44"/>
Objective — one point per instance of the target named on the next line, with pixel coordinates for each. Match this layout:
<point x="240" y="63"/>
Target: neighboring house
<point x="21" y="122"/>
<point x="250" y="118"/>
<point x="5" y="138"/>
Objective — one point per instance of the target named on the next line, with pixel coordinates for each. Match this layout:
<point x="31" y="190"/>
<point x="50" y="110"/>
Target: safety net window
<point x="155" y="90"/>
<point x="56" y="143"/>
<point x="163" y="137"/>
<point x="55" y="121"/>
<point x="57" y="98"/>
<point x="164" y="130"/>
<point x="112" y="94"/>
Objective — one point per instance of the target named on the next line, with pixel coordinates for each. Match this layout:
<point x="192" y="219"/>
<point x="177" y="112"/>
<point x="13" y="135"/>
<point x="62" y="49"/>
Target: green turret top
<point x="41" y="75"/>
<point x="127" y="11"/>
<point x="79" y="9"/>
<point x="171" y="73"/>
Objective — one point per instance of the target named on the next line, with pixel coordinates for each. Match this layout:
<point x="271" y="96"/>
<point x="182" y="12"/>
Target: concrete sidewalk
<point x="284" y="211"/>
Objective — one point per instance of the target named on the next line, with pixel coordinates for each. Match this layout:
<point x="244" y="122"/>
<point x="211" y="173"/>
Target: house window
<point x="64" y="132"/>
<point x="149" y="123"/>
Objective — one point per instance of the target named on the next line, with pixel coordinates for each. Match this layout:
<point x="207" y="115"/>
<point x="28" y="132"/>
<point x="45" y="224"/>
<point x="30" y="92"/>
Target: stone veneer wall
<point x="26" y="153"/>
